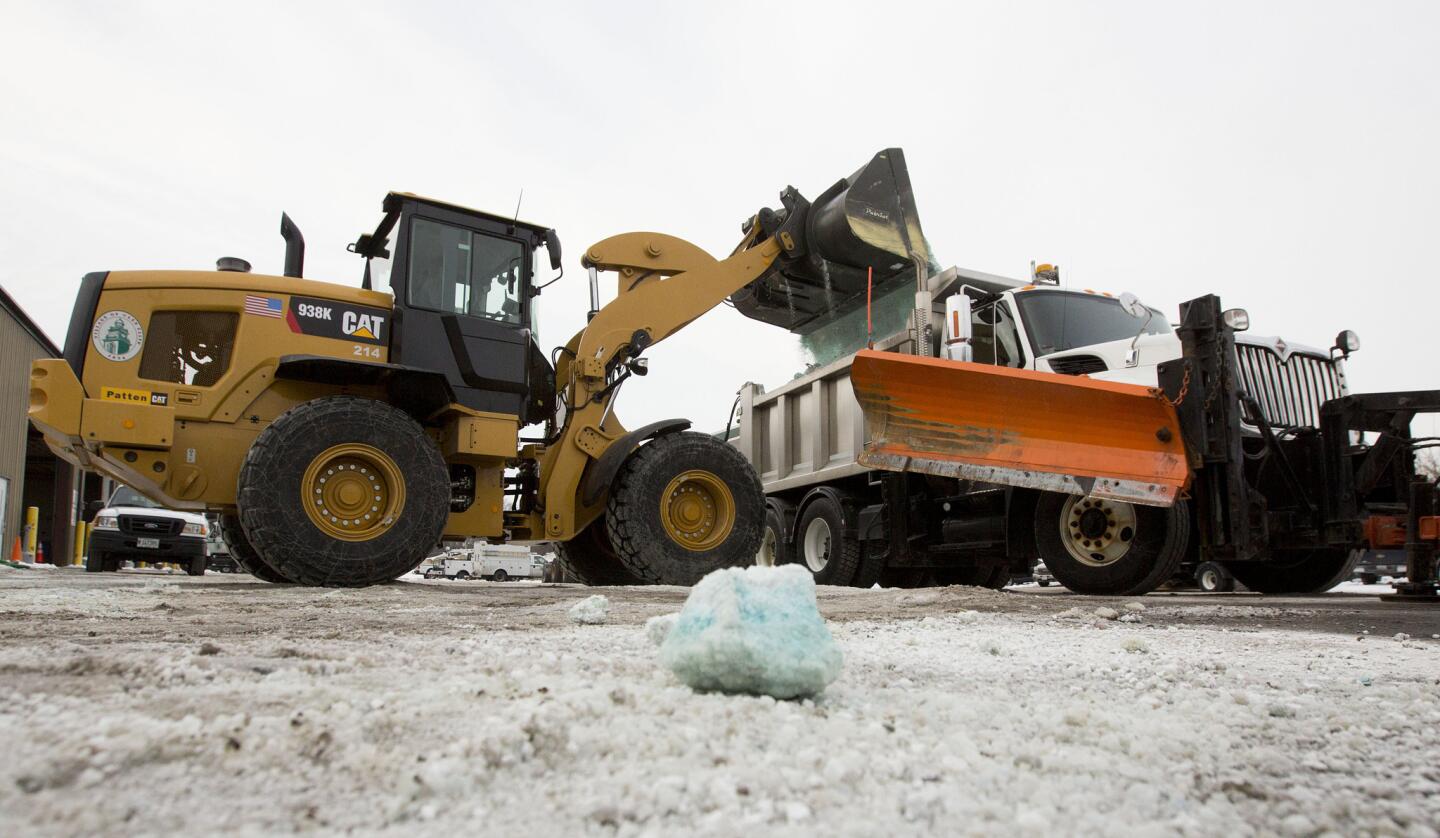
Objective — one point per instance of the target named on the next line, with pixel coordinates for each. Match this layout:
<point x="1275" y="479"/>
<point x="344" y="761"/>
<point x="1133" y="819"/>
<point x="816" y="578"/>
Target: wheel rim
<point x="353" y="492"/>
<point x="697" y="510"/>
<point x="766" y="556"/>
<point x="1209" y="580"/>
<point x="1097" y="532"/>
<point x="817" y="545"/>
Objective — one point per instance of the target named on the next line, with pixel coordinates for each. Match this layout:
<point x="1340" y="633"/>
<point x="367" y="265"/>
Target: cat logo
<point x="358" y="325"/>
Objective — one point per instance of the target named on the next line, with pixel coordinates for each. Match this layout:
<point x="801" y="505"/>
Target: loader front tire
<point x="1109" y="547"/>
<point x="590" y="558"/>
<point x="343" y="492"/>
<point x="682" y="506"/>
<point x="244" y="554"/>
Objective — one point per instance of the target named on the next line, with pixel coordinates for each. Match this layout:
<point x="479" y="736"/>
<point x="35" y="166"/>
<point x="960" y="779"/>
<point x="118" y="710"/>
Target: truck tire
<point x="95" y="562"/>
<point x="244" y="555"/>
<point x="1107" y="547"/>
<point x="994" y="577"/>
<point x="822" y="546"/>
<point x="1296" y="572"/>
<point x="773" y="549"/>
<point x="590" y="558"/>
<point x="463" y="576"/>
<point x="500" y="576"/>
<point x="343" y="492"/>
<point x="682" y="506"/>
<point x="1214" y="578"/>
<point x="196" y="567"/>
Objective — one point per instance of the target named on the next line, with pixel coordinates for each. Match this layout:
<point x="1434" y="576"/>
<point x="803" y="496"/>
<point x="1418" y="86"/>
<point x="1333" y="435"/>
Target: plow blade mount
<point x="1022" y="428"/>
<point x="865" y="221"/>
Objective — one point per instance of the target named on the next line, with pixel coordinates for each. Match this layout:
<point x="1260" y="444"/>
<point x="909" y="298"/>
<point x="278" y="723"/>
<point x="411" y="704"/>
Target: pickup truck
<point x="131" y="526"/>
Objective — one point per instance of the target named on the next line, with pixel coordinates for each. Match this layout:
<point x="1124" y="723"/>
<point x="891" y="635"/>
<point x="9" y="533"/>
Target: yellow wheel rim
<point x="697" y="510"/>
<point x="353" y="492"/>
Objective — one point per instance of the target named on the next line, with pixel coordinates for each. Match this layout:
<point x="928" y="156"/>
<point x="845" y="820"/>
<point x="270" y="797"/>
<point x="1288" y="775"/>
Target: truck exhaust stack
<point x="865" y="221"/>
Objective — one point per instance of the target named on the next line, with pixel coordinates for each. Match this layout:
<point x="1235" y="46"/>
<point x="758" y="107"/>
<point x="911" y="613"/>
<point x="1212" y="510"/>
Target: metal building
<point x="29" y="474"/>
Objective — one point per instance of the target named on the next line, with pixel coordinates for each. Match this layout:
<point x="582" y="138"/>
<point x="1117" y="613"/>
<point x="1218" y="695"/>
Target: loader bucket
<point x="1021" y="428"/>
<point x="865" y="221"/>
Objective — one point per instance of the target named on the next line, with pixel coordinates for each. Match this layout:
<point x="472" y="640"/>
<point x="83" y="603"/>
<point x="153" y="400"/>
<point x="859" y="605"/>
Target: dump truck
<point x="341" y="433"/>
<point x="1010" y="421"/>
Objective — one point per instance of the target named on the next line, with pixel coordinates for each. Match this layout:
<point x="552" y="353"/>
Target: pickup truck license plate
<point x="148" y="543"/>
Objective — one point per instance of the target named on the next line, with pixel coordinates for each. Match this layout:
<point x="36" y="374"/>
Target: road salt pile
<point x="753" y="630"/>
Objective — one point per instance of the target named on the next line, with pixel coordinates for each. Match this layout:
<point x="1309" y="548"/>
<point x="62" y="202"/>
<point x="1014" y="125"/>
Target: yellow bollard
<point x="32" y="531"/>
<point x="79" y="555"/>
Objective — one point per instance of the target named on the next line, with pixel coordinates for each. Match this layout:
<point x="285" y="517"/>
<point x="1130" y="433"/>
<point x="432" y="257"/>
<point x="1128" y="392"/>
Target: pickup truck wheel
<point x="95" y="562"/>
<point x="590" y="558"/>
<point x="196" y="567"/>
<point x="683" y="505"/>
<point x="1213" y="577"/>
<point x="1296" y="571"/>
<point x="822" y="546"/>
<point x="244" y="554"/>
<point x="343" y="492"/>
<point x="1101" y="546"/>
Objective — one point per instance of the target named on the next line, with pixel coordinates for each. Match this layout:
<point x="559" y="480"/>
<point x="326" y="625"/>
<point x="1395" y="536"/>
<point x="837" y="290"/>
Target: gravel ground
<point x="143" y="704"/>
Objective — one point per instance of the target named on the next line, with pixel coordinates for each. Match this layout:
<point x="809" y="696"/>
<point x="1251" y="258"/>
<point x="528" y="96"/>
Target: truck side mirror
<point x="958" y="328"/>
<point x="1345" y="343"/>
<point x="552" y="244"/>
<point x="1133" y="306"/>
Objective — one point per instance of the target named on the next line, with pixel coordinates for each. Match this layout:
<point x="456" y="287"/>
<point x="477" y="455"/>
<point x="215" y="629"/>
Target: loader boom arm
<point x="664" y="283"/>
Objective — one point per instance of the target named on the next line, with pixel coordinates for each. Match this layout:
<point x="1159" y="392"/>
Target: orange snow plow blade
<point x="1022" y="428"/>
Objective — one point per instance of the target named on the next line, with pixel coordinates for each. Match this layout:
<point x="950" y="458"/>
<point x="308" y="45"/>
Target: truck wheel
<point x="500" y="576"/>
<point x="343" y="492"/>
<point x="95" y="562"/>
<point x="821" y="544"/>
<point x="463" y="575"/>
<point x="994" y="577"/>
<point x="590" y="558"/>
<point x="196" y="567"/>
<point x="682" y="506"/>
<point x="244" y="554"/>
<point x="773" y="552"/>
<point x="1213" y="577"/>
<point x="1099" y="546"/>
<point x="1369" y="579"/>
<point x="1296" y="572"/>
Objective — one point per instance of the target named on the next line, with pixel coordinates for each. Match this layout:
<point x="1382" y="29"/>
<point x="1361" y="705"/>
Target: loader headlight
<point x="106" y="522"/>
<point x="195" y="529"/>
<point x="1237" y="319"/>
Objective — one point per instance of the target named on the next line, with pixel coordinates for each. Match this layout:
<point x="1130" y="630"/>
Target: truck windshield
<point x="1062" y="320"/>
<point x="126" y="496"/>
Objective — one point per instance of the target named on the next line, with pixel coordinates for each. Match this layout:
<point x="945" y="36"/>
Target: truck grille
<point x="1077" y="364"/>
<point x="1289" y="392"/>
<point x="142" y="525"/>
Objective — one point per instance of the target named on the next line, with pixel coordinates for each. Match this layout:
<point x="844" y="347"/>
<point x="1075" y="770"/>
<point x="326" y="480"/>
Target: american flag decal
<point x="264" y="306"/>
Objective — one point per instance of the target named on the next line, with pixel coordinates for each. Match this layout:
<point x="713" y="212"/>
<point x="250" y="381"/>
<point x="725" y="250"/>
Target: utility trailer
<point x="1227" y="447"/>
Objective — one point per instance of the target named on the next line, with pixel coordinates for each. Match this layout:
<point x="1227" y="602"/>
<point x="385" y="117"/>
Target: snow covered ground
<point x="142" y="704"/>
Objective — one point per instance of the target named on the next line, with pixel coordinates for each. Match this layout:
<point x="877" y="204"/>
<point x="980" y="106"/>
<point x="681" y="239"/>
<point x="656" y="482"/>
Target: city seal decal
<point x="117" y="335"/>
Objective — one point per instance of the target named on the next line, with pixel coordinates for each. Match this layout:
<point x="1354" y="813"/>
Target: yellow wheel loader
<point x="342" y="433"/>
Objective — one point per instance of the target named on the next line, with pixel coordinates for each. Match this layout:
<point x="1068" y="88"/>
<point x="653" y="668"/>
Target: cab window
<point x="459" y="271"/>
<point x="995" y="338"/>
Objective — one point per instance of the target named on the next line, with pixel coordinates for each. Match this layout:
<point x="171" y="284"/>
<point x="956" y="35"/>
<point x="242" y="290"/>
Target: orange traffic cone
<point x="39" y="554"/>
<point x="15" y="554"/>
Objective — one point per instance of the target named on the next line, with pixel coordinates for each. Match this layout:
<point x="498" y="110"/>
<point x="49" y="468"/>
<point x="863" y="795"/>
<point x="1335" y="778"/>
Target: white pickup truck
<point x="494" y="561"/>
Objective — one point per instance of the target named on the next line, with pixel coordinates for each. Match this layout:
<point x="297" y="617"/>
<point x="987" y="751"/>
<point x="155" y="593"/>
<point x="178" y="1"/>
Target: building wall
<point x="18" y="347"/>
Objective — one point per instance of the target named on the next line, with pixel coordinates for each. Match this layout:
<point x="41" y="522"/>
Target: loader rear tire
<point x="683" y="505"/>
<point x="244" y="554"/>
<point x="305" y="493"/>
<point x="1297" y="572"/>
<point x="590" y="558"/>
<point x="1106" y="547"/>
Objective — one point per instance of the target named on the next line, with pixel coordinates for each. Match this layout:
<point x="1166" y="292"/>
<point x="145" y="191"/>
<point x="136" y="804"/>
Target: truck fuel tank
<point x="828" y="247"/>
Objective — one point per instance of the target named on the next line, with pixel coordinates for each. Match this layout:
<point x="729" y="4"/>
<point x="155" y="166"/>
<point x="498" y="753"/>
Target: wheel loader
<point x="341" y="433"/>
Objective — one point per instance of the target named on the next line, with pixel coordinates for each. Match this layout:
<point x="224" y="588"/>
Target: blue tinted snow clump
<point x="753" y="630"/>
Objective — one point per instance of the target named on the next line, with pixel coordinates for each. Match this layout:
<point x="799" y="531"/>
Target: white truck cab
<point x="1042" y="326"/>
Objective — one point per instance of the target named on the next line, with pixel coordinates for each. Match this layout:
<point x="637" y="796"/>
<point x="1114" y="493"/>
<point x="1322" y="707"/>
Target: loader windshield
<point x="1061" y="320"/>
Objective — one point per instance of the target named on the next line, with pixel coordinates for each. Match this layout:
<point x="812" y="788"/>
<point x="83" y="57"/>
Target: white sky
<point x="1281" y="155"/>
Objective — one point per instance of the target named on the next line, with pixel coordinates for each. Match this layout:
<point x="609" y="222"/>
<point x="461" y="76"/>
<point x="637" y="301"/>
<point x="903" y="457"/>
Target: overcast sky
<point x="1281" y="155"/>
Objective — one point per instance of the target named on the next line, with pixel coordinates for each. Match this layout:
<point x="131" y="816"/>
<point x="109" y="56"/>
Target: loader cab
<point x="464" y="304"/>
